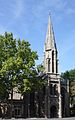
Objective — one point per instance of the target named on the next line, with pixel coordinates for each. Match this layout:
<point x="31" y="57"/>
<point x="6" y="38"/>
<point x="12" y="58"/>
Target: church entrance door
<point x="53" y="112"/>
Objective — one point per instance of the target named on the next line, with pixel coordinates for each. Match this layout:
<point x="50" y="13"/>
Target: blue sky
<point x="28" y="19"/>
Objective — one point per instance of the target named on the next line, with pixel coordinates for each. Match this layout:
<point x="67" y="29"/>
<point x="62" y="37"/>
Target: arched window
<point x="49" y="65"/>
<point x="51" y="89"/>
<point x="56" y="62"/>
<point x="55" y="89"/>
<point x="56" y="66"/>
<point x="53" y="61"/>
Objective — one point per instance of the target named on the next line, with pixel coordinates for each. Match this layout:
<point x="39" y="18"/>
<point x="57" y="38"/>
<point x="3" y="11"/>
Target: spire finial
<point x="50" y="14"/>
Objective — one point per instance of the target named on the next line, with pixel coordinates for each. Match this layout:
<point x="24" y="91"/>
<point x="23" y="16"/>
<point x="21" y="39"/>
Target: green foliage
<point x="70" y="75"/>
<point x="17" y="62"/>
<point x="17" y="67"/>
<point x="65" y="75"/>
<point x="40" y="68"/>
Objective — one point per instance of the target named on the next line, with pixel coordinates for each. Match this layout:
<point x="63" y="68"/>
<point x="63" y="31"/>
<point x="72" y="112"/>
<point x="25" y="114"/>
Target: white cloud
<point x="18" y="8"/>
<point x="55" y="6"/>
<point x="15" y="13"/>
<point x="11" y="9"/>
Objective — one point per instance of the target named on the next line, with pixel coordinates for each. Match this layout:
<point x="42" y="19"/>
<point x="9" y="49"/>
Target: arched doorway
<point x="53" y="112"/>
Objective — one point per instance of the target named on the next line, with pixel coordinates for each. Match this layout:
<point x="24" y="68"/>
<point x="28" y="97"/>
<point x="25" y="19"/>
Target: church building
<point x="52" y="101"/>
<point x="54" y="108"/>
<point x="57" y="104"/>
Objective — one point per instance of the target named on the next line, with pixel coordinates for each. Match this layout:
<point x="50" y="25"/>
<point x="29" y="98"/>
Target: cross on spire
<point x="49" y="13"/>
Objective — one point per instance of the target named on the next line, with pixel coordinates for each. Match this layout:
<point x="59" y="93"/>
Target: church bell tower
<point x="53" y="90"/>
<point x="50" y="56"/>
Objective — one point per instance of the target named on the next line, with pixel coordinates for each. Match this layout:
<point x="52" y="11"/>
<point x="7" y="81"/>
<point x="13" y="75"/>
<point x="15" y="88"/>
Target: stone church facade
<point x="58" y="90"/>
<point x="52" y="101"/>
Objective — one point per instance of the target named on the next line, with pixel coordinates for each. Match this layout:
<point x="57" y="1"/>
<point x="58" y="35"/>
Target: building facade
<point x="52" y="101"/>
<point x="51" y="68"/>
<point x="58" y="90"/>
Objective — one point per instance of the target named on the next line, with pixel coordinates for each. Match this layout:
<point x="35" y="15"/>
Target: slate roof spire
<point x="50" y="39"/>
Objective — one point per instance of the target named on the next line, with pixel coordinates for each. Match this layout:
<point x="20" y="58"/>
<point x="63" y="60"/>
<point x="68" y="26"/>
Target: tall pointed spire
<point x="50" y="39"/>
<point x="50" y="54"/>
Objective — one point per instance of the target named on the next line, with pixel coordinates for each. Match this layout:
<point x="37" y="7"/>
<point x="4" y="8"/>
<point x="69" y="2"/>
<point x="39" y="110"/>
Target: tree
<point x="65" y="75"/>
<point x="7" y="50"/>
<point x="17" y="68"/>
<point x="70" y="75"/>
<point x="72" y="86"/>
<point x="17" y="62"/>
